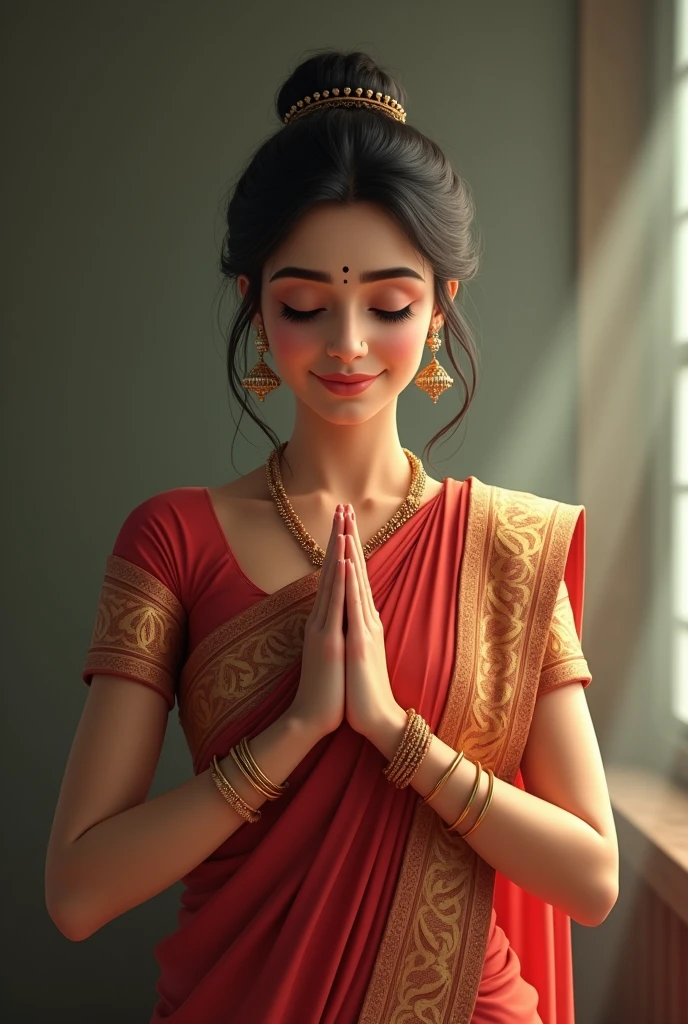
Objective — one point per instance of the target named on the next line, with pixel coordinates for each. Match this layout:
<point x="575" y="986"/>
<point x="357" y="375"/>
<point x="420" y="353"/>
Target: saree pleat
<point x="348" y="903"/>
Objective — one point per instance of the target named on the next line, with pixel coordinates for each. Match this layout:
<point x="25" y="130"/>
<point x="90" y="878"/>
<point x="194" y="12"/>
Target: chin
<point x="346" y="417"/>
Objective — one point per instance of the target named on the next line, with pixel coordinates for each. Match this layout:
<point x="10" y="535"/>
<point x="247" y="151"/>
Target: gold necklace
<point x="315" y="553"/>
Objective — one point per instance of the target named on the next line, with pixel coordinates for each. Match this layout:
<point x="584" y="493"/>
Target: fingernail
<point x="340" y="507"/>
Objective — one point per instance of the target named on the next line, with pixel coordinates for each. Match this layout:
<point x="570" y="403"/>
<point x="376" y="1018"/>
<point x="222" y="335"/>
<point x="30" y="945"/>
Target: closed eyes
<point x="389" y="316"/>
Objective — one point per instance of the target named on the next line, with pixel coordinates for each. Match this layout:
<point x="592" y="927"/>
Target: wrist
<point x="387" y="731"/>
<point x="305" y="732"/>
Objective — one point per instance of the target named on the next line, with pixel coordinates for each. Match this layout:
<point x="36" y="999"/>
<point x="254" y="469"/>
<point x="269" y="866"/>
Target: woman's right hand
<point x="319" y="699"/>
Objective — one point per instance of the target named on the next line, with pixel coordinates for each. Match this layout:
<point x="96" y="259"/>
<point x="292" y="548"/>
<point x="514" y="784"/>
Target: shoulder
<point x="175" y="519"/>
<point x="251" y="486"/>
<point x="161" y="510"/>
<point x="160" y="534"/>
<point x="515" y="497"/>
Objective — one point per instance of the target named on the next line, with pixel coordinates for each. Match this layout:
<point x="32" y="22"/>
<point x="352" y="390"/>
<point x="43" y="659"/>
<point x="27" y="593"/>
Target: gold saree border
<point x="140" y="628"/>
<point x="431" y="957"/>
<point x="564" y="659"/>
<point x="235" y="667"/>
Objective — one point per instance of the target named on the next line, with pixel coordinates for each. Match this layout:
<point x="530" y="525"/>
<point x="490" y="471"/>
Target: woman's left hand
<point x="368" y="693"/>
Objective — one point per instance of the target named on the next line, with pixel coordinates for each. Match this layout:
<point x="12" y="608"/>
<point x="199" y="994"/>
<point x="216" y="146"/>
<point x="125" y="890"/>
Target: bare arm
<point x="109" y="848"/>
<point x="558" y="840"/>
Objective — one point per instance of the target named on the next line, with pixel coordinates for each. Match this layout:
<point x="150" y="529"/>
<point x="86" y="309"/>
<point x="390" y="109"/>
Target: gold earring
<point x="434" y="378"/>
<point x="262" y="379"/>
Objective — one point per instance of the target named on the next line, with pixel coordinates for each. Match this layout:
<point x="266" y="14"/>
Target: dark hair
<point x="344" y="155"/>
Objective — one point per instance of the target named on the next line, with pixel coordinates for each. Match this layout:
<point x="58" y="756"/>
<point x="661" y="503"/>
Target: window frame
<point x="666" y="358"/>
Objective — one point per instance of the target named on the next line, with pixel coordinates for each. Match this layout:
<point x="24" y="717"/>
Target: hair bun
<point x="335" y="69"/>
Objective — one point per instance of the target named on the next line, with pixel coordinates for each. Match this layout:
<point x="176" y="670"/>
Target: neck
<point x="360" y="463"/>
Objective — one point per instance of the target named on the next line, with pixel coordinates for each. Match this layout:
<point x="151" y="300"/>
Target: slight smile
<point x="341" y="387"/>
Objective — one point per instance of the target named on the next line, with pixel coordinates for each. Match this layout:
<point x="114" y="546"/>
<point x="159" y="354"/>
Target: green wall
<point x="124" y="126"/>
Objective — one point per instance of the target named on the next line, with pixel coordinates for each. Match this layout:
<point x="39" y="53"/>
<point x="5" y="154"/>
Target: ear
<point x="243" y="282"/>
<point x="452" y="288"/>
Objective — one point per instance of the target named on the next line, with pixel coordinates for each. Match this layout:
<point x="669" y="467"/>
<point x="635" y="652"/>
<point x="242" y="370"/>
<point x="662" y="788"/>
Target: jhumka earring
<point x="262" y="380"/>
<point x="434" y="378"/>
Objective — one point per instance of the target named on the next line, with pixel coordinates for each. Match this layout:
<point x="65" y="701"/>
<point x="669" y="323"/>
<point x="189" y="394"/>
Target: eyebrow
<point x="365" y="278"/>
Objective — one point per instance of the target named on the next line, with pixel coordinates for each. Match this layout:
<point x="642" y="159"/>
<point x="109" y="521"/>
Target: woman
<point x="397" y="804"/>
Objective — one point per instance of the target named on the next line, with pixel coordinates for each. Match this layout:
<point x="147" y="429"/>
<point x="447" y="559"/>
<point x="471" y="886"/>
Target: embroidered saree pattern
<point x="235" y="668"/>
<point x="139" y="631"/>
<point x="564" y="658"/>
<point x="430" y="960"/>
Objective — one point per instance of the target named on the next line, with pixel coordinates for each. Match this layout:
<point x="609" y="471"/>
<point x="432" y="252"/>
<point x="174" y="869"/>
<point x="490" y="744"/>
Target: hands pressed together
<point x="344" y="675"/>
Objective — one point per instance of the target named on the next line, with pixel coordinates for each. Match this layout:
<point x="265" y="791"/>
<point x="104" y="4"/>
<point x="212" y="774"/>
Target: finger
<point x="319" y="603"/>
<point x="354" y="606"/>
<point x="335" y="611"/>
<point x="355" y="551"/>
<point x="335" y="548"/>
<point x="358" y="590"/>
<point x="331" y="582"/>
<point x="365" y="578"/>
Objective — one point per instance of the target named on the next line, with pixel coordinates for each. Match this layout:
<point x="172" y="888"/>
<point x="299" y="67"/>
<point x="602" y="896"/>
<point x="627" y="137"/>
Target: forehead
<point x="359" y="236"/>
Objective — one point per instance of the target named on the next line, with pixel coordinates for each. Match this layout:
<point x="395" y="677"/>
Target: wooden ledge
<point x="651" y="816"/>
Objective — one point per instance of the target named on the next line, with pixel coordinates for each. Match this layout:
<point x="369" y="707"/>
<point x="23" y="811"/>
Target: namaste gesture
<point x="344" y="676"/>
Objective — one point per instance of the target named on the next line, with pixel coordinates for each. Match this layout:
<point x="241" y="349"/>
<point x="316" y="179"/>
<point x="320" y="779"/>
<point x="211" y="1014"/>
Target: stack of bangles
<point x="246" y="763"/>
<point x="407" y="760"/>
<point x="400" y="771"/>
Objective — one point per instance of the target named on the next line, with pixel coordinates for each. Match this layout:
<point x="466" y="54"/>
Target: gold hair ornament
<point x="349" y="98"/>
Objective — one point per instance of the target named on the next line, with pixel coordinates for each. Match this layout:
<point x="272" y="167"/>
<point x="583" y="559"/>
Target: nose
<point x="347" y="341"/>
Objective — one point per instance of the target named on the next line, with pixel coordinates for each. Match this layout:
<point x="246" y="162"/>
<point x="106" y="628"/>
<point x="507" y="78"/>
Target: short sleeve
<point x="141" y="623"/>
<point x="564" y="661"/>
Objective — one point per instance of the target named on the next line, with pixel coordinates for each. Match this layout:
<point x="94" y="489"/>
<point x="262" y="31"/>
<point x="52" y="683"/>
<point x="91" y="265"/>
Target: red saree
<point x="348" y="903"/>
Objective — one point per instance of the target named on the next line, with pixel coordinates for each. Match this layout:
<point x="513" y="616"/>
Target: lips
<point x="347" y="378"/>
<point x="347" y="386"/>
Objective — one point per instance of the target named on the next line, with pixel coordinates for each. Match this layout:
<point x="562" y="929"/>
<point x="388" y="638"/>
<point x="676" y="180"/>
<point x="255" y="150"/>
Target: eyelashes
<point x="303" y="316"/>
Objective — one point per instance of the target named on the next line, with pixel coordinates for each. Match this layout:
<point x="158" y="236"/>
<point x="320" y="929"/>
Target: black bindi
<point x="346" y="271"/>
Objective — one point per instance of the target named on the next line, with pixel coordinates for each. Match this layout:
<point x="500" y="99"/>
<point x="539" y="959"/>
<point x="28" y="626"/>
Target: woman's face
<point x="323" y="316"/>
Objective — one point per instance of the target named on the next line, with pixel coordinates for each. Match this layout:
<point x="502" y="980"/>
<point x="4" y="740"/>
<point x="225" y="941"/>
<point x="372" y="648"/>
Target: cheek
<point x="402" y="347"/>
<point x="290" y="344"/>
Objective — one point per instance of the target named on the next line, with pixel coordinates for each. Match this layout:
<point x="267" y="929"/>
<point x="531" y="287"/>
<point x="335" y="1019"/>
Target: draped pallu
<point x="349" y="901"/>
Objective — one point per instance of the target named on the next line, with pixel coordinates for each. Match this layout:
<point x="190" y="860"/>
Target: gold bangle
<point x="414" y="757"/>
<point x="234" y="799"/>
<point x="482" y="814"/>
<point x="391" y="769"/>
<point x="455" y="763"/>
<point x="277" y="789"/>
<point x="246" y="763"/>
<point x="415" y="739"/>
<point x="411" y="751"/>
<point x="467" y="808"/>
<point x="246" y="772"/>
